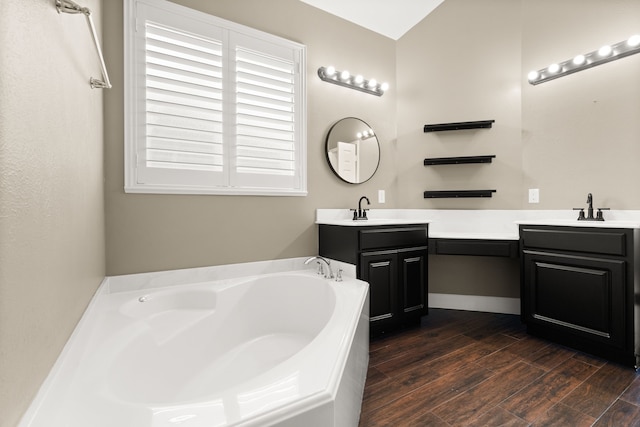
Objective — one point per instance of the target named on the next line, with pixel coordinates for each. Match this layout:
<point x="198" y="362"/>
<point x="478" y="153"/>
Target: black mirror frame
<point x="327" y="140"/>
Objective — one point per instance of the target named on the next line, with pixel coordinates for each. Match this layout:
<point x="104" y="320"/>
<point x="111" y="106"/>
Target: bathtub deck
<point x="470" y="368"/>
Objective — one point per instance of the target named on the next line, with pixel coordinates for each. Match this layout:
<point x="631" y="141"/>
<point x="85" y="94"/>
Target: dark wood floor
<point x="465" y="368"/>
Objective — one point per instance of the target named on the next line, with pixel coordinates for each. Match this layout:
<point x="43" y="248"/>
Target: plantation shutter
<point x="265" y="154"/>
<point x="212" y="107"/>
<point x="183" y="108"/>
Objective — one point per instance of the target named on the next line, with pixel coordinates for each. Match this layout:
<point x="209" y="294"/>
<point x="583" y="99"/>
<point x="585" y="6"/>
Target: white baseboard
<point x="475" y="303"/>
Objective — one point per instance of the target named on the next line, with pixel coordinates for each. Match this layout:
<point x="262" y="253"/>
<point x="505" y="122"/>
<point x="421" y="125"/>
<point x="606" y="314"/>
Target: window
<point x="211" y="107"/>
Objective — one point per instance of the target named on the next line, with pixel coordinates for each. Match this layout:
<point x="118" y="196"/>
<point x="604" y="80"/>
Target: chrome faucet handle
<point x="329" y="275"/>
<point x="339" y="275"/>
<point x="581" y="216"/>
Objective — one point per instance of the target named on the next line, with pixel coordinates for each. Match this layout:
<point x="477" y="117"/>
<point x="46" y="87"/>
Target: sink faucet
<point x="590" y="217"/>
<point x="319" y="260"/>
<point x="361" y="213"/>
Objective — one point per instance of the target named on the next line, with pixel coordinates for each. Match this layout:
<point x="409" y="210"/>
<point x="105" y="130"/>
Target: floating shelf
<point x="458" y="160"/>
<point x="441" y="194"/>
<point x="481" y="124"/>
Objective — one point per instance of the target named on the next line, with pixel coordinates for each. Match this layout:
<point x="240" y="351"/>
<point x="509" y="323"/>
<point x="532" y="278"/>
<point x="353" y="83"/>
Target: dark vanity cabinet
<point x="393" y="260"/>
<point x="579" y="288"/>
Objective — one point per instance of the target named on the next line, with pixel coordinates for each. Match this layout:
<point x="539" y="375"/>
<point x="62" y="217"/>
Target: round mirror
<point x="353" y="152"/>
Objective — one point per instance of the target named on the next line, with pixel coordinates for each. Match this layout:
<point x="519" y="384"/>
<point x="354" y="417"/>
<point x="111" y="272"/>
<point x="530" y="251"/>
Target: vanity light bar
<point x="344" y="78"/>
<point x="603" y="55"/>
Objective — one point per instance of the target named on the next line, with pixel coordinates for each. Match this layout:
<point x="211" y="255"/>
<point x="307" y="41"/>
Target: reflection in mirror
<point x="353" y="151"/>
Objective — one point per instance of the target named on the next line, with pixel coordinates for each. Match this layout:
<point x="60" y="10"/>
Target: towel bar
<point x="68" y="6"/>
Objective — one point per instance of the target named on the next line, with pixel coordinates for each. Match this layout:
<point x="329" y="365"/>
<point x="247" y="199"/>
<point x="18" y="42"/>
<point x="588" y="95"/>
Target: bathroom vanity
<point x="579" y="287"/>
<point x="579" y="280"/>
<point x="392" y="258"/>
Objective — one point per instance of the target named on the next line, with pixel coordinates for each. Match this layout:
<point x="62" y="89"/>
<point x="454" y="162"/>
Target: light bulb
<point x="579" y="60"/>
<point x="533" y="75"/>
<point x="605" y="50"/>
<point x="553" y="68"/>
<point x="359" y="79"/>
<point x="359" y="135"/>
<point x="372" y="83"/>
<point x="634" y="40"/>
<point x="330" y="70"/>
<point x="345" y="75"/>
<point x="384" y="86"/>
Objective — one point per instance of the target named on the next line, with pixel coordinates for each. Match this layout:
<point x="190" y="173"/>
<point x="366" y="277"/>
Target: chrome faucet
<point x="361" y="214"/>
<point x="319" y="260"/>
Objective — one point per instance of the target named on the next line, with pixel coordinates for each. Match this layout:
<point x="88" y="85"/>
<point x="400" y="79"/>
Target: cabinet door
<point x="579" y="295"/>
<point x="380" y="270"/>
<point x="413" y="280"/>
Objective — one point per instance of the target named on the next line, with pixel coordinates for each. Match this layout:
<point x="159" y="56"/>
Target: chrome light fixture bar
<point x="345" y="79"/>
<point x="68" y="6"/>
<point x="603" y="55"/>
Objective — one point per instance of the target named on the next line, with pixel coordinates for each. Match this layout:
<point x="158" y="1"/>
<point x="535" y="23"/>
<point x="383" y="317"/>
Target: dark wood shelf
<point x="458" y="160"/>
<point x="481" y="124"/>
<point x="441" y="194"/>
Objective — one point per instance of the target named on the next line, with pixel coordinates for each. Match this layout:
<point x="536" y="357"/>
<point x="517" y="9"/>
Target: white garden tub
<point x="286" y="349"/>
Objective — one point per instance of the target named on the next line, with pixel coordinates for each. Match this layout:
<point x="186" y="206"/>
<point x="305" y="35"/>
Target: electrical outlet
<point x="534" y="195"/>
<point x="380" y="196"/>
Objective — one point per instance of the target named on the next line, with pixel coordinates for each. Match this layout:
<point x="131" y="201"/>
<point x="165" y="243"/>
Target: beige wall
<point x="51" y="191"/>
<point x="458" y="65"/>
<point x="581" y="133"/>
<point x="568" y="137"/>
<point x="158" y="232"/>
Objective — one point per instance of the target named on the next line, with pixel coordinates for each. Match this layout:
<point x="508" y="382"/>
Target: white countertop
<point x="371" y="222"/>
<point x="576" y="223"/>
<point x="476" y="224"/>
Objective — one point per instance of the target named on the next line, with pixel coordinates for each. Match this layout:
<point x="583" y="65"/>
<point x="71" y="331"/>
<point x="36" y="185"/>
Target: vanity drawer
<point x="599" y="241"/>
<point x="381" y="238"/>
<point x="474" y="247"/>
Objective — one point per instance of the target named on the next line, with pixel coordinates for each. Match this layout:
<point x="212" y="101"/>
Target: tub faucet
<point x="319" y="260"/>
<point x="361" y="214"/>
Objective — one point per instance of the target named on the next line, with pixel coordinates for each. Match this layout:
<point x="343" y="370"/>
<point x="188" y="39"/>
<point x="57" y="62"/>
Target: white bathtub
<point x="286" y="349"/>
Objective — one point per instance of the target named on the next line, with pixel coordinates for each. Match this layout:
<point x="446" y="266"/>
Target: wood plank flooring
<point x="462" y="368"/>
